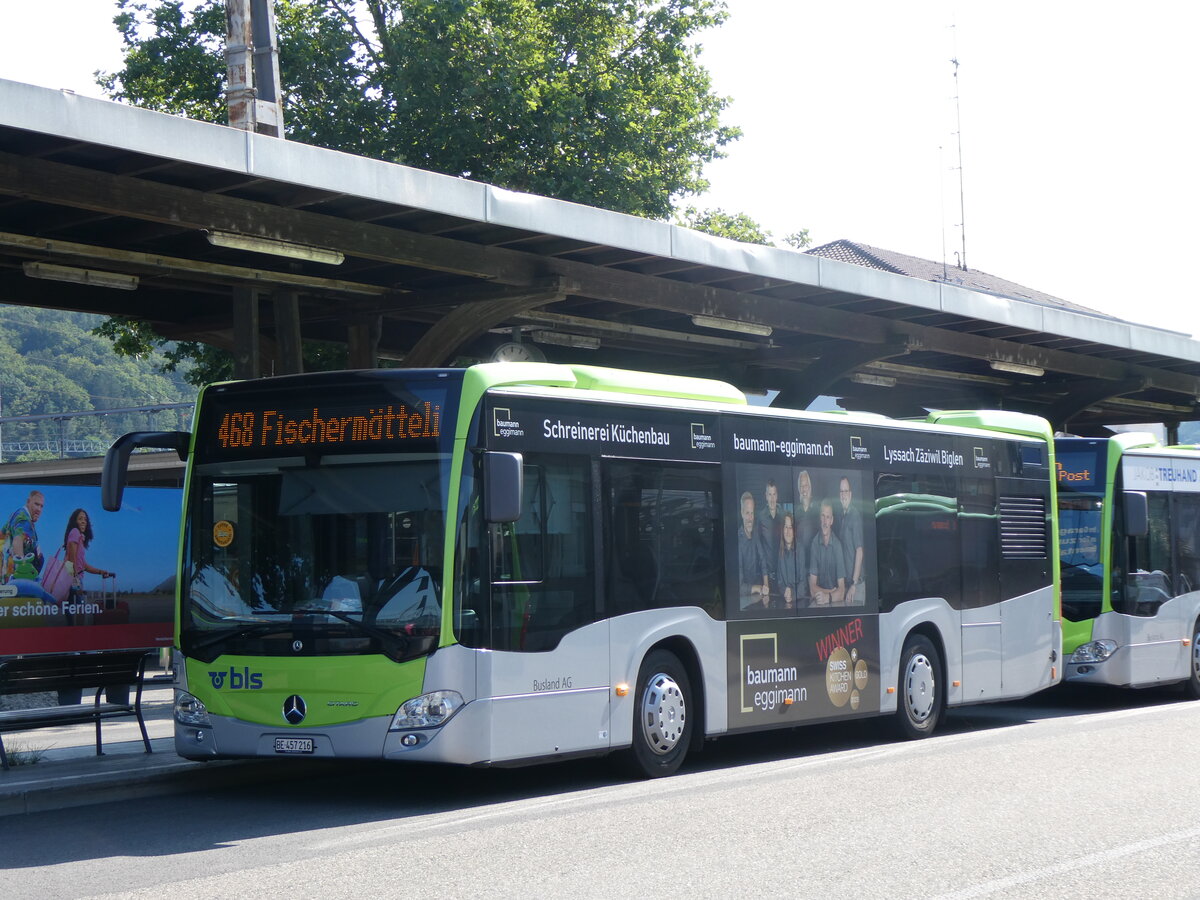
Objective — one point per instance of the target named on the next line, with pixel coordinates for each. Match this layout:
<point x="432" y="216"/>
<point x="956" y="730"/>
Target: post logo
<point x="237" y="680"/>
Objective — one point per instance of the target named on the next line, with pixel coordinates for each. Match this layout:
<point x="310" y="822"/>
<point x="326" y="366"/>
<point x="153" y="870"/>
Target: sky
<point x="1078" y="131"/>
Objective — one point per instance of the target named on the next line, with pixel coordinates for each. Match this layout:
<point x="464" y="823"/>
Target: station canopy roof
<point x="105" y="208"/>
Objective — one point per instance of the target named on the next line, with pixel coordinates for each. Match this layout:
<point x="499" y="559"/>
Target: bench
<point x="86" y="671"/>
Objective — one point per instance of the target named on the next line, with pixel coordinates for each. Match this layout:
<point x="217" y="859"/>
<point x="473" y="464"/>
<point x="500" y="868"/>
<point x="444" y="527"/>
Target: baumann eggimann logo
<point x="701" y="439"/>
<point x="767" y="682"/>
<point x="504" y="425"/>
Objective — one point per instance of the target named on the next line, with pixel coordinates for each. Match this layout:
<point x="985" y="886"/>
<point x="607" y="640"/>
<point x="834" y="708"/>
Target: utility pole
<point x="962" y="207"/>
<point x="252" y="95"/>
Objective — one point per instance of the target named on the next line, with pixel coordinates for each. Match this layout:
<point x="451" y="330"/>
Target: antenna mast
<point x="962" y="210"/>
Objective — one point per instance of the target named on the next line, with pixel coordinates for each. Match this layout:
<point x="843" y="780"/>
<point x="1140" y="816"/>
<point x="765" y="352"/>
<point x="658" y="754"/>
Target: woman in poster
<point x="789" y="568"/>
<point x="77" y="539"/>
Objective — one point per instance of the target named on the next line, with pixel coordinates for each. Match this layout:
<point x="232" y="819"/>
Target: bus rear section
<point x="1129" y="522"/>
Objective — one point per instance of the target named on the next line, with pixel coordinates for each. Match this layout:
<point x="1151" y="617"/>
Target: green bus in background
<point x="1129" y="530"/>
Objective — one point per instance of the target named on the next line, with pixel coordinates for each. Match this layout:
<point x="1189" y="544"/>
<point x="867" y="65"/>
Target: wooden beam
<point x="246" y="360"/>
<point x="186" y="208"/>
<point x="134" y="262"/>
<point x="362" y="339"/>
<point x="290" y="360"/>
<point x="831" y="367"/>
<point x="442" y="343"/>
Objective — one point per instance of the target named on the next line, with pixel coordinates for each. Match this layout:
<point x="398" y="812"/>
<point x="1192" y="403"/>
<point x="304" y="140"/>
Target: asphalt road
<point x="1067" y="795"/>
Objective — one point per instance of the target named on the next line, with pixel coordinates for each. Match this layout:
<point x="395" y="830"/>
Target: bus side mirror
<point x="503" y="486"/>
<point x="1137" y="514"/>
<point x="116" y="460"/>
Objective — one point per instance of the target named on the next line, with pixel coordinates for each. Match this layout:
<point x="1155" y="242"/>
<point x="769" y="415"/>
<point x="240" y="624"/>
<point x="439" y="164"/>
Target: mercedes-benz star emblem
<point x="294" y="709"/>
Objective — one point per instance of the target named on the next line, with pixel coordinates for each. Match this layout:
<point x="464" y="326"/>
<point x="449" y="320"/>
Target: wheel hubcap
<point x="663" y="714"/>
<point x="1196" y="656"/>
<point x="919" y="687"/>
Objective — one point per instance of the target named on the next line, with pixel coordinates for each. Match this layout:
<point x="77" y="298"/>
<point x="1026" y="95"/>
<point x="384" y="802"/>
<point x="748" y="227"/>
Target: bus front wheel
<point x="1191" y="687"/>
<point x="662" y="721"/>
<point x="921" y="700"/>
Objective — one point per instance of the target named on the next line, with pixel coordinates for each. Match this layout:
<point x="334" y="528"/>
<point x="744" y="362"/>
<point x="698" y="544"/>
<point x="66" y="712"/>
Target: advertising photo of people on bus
<point x="800" y="542"/>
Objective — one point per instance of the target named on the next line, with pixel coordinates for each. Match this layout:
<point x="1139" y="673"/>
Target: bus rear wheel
<point x="1191" y="687"/>
<point x="920" y="705"/>
<point x="662" y="723"/>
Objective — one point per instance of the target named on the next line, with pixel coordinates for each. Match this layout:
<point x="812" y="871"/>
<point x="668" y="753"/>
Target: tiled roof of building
<point x="916" y="267"/>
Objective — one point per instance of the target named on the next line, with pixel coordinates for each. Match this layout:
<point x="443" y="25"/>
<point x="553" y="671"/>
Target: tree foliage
<point x="602" y="102"/>
<point x="737" y="227"/>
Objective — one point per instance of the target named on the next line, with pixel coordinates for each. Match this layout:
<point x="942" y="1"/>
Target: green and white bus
<point x="516" y="562"/>
<point x="1129" y="536"/>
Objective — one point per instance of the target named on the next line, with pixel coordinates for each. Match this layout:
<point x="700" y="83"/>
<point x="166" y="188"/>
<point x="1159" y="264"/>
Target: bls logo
<point x="238" y="680"/>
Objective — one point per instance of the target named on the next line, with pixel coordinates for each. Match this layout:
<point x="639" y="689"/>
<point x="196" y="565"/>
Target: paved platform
<point x="59" y="767"/>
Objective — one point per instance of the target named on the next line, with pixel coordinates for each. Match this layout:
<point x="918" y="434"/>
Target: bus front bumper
<point x="459" y="740"/>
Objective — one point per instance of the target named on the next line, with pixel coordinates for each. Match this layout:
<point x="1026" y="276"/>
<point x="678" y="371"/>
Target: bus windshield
<point x="1079" y="523"/>
<point x="337" y="559"/>
<point x="315" y="519"/>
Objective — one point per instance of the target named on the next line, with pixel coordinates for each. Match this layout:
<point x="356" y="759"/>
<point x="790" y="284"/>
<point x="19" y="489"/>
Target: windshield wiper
<point x="252" y="629"/>
<point x="394" y="644"/>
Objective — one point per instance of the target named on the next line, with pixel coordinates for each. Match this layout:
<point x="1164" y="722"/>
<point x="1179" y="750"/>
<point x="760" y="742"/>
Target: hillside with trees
<point x="52" y="363"/>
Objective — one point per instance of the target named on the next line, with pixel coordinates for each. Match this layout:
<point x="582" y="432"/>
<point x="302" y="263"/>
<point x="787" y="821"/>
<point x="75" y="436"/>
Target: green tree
<point x="737" y="227"/>
<point x="602" y="102"/>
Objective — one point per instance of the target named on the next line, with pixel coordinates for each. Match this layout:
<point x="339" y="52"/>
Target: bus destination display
<point x="271" y="429"/>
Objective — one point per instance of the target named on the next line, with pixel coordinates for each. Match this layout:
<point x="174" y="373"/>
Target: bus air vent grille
<point x="1023" y="527"/>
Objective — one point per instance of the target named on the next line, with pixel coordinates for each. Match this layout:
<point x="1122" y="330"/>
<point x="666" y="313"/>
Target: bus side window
<point x="920" y="546"/>
<point x="542" y="566"/>
<point x="1187" y="541"/>
<point x="1149" y="584"/>
<point x="663" y="536"/>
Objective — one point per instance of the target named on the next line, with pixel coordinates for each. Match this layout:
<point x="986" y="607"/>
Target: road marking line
<point x="1072" y="865"/>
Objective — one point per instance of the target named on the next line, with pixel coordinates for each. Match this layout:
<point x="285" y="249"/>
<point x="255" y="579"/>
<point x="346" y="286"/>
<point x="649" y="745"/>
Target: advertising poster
<point x="801" y="533"/>
<point x="801" y="565"/>
<point x="788" y="671"/>
<point x="76" y="578"/>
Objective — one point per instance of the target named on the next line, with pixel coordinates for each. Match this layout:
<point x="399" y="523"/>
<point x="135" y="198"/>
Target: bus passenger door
<point x="982" y="627"/>
<point x="1156" y="625"/>
<point x="548" y="674"/>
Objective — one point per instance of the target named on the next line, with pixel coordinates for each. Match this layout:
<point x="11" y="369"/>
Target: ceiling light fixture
<point x="733" y="325"/>
<point x="877" y="380"/>
<point x="561" y="339"/>
<point x="72" y="275"/>
<point x="1001" y="365"/>
<point x="275" y="248"/>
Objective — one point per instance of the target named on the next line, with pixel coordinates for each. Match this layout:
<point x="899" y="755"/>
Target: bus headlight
<point x="190" y="711"/>
<point x="1094" y="652"/>
<point x="428" y="711"/>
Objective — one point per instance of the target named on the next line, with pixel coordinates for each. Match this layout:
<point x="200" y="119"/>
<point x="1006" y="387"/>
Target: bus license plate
<point x="293" y="745"/>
